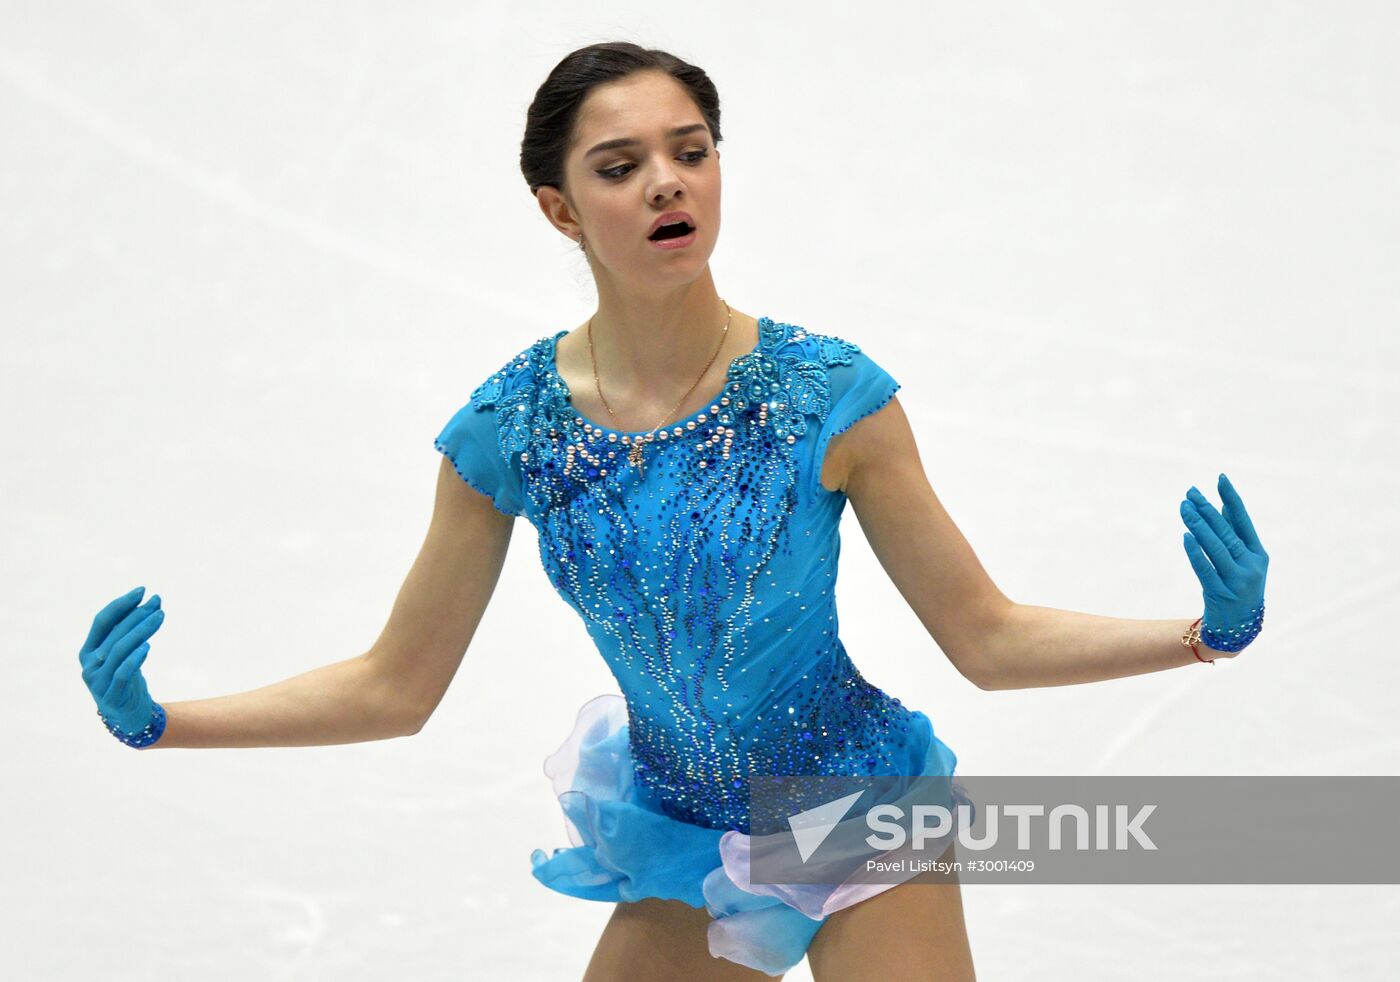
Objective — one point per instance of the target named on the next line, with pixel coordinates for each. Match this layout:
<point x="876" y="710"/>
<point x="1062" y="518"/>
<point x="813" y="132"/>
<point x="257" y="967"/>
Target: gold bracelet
<point x="1191" y="638"/>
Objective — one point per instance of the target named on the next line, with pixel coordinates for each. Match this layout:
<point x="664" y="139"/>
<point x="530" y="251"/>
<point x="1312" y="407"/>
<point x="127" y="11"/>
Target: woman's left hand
<point x="1227" y="556"/>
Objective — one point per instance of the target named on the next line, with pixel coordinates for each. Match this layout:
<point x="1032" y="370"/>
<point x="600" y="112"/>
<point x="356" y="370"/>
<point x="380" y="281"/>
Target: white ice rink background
<point x="255" y="255"/>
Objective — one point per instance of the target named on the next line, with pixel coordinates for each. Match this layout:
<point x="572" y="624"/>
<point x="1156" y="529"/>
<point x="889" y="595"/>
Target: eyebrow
<point x="628" y="141"/>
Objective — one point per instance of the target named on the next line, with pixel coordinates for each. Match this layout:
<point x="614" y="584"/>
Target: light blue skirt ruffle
<point x="624" y="851"/>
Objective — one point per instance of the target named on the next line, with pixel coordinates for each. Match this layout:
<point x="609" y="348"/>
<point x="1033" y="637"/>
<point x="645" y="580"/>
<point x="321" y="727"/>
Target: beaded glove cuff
<point x="1237" y="637"/>
<point x="147" y="736"/>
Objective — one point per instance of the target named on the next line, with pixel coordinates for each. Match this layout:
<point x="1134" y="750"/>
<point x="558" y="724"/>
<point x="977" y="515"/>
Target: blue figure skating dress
<point x="706" y="578"/>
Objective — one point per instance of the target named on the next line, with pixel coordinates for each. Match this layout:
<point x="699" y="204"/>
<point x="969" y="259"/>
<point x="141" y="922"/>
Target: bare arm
<point x="1042" y="646"/>
<point x="443" y="599"/>
<point x="390" y="690"/>
<point x="876" y="463"/>
<point x="993" y="642"/>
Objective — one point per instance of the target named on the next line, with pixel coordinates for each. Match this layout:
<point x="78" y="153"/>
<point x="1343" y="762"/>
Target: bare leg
<point x="662" y="941"/>
<point x="911" y="931"/>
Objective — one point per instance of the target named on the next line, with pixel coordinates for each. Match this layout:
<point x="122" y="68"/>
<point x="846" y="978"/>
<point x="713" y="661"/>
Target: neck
<point x="663" y="340"/>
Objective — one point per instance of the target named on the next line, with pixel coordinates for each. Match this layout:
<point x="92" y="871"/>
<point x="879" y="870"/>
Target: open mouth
<point x="672" y="231"/>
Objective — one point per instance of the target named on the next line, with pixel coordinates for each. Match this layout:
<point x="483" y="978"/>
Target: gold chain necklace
<point x="634" y="456"/>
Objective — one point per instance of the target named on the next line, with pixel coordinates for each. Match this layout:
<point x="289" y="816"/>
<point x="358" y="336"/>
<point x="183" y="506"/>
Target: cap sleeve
<point x="471" y="441"/>
<point x="858" y="387"/>
<point x="484" y="439"/>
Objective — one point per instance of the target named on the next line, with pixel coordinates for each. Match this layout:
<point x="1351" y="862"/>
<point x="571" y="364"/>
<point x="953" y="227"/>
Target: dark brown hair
<point x="549" y="123"/>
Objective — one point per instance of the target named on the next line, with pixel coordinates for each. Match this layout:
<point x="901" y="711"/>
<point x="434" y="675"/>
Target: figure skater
<point x="685" y="465"/>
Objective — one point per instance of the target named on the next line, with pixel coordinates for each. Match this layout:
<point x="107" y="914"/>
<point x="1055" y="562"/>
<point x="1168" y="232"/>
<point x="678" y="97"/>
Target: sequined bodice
<point x="706" y="578"/>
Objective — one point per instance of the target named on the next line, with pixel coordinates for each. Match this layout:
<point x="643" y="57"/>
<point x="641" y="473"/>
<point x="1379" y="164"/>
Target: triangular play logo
<point x="811" y="827"/>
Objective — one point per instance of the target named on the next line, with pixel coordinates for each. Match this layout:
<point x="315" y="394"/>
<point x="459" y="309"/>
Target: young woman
<point x="685" y="465"/>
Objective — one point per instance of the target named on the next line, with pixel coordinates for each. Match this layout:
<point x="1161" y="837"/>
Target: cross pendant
<point x="634" y="456"/>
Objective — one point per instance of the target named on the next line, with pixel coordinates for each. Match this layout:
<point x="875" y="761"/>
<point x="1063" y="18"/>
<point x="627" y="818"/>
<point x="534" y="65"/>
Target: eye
<point x="618" y="172"/>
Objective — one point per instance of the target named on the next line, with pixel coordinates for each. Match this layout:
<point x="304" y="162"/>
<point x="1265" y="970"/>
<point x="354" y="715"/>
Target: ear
<point x="556" y="209"/>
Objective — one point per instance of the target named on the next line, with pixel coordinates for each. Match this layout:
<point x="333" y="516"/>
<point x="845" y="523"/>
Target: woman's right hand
<point x="112" y="656"/>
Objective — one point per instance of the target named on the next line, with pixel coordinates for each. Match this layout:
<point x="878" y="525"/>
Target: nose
<point x="667" y="183"/>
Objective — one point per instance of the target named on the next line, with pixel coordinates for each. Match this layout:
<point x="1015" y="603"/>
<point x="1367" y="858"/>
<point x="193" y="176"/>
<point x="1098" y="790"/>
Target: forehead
<point x="638" y="106"/>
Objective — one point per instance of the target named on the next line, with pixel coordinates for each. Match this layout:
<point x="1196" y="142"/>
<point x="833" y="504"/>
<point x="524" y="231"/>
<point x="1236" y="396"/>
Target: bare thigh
<point x="911" y="931"/>
<point x="662" y="941"/>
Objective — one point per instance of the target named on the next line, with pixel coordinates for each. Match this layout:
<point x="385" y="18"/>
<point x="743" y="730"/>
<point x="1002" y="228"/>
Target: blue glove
<point x="1231" y="564"/>
<point x="112" y="657"/>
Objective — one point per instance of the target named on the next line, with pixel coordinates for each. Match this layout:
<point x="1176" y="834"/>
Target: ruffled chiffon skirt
<point x="624" y="850"/>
